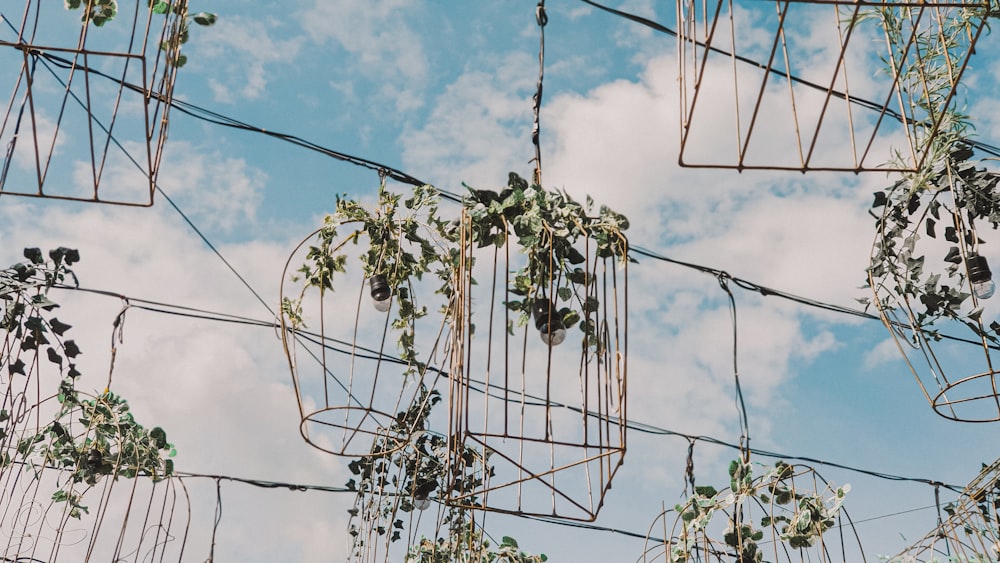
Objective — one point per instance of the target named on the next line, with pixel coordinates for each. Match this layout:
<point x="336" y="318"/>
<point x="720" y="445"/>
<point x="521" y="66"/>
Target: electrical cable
<point x="494" y="390"/>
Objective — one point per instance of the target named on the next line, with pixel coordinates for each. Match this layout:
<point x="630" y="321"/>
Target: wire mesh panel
<point x="537" y="407"/>
<point x="89" y="97"/>
<point x="971" y="531"/>
<point x="357" y="394"/>
<point x="819" y="85"/>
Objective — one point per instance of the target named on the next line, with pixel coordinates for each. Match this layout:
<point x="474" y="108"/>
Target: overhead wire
<point x="494" y="390"/>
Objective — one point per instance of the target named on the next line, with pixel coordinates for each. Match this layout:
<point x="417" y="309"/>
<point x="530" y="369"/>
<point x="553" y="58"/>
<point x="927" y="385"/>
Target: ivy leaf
<point x="930" y="228"/>
<point x="950" y="235"/>
<point x="880" y="200"/>
<point x="54" y="356"/>
<point x="953" y="256"/>
<point x="204" y="18"/>
<point x="71" y="349"/>
<point x="58" y="327"/>
<point x="18" y="367"/>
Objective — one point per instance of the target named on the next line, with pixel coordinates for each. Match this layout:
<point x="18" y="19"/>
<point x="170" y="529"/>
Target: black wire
<point x="495" y="391"/>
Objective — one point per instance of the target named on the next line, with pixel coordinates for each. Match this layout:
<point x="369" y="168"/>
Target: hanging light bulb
<point x="421" y="503"/>
<point x="381" y="294"/>
<point x="980" y="277"/>
<point x="547" y="321"/>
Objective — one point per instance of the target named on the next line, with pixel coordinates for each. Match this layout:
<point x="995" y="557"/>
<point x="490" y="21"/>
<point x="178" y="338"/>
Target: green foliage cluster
<point x="470" y="547"/>
<point x="549" y="227"/>
<point x="799" y="518"/>
<point x="947" y="188"/>
<point x="87" y="438"/>
<point x="100" y="12"/>
<point x="956" y="195"/>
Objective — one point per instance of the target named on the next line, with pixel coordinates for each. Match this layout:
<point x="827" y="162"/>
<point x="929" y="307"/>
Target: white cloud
<point x="247" y="46"/>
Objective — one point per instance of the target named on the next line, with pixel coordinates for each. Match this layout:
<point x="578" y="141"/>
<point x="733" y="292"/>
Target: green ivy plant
<point x="799" y="518"/>
<point x="88" y="438"/>
<point x="100" y="12"/>
<point x="549" y="227"/>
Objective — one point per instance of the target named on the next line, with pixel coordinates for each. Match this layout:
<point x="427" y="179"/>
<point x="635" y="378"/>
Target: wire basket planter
<point x="546" y="415"/>
<point x="105" y="88"/>
<point x="789" y="513"/>
<point x="356" y="397"/>
<point x="932" y="295"/>
<point x="971" y="531"/>
<point x="819" y="85"/>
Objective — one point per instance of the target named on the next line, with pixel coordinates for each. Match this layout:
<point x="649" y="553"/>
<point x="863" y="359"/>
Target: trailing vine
<point x="89" y="437"/>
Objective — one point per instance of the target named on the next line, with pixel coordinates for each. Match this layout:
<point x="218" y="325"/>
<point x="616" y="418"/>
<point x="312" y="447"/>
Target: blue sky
<point x="442" y="91"/>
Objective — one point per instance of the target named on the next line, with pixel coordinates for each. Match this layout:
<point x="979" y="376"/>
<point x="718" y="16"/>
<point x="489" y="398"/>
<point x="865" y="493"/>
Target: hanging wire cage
<point x="851" y="85"/>
<point x="789" y="513"/>
<point x="89" y="88"/>
<point x="358" y="395"/>
<point x="537" y="411"/>
<point x="971" y="531"/>
<point x="933" y="295"/>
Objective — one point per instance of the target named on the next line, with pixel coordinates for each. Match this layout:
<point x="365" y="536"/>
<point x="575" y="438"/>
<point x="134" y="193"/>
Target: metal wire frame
<point x="838" y="543"/>
<point x="350" y="393"/>
<point x="52" y="106"/>
<point x="812" y="125"/>
<point x="968" y="398"/>
<point x="971" y="532"/>
<point x="551" y="436"/>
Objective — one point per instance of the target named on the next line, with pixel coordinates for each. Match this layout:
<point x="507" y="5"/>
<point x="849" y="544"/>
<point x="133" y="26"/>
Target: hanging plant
<point x="948" y="195"/>
<point x="549" y="228"/>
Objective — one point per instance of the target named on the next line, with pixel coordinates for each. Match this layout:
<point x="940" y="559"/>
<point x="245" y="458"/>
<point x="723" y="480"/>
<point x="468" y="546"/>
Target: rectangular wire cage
<point x="820" y="84"/>
<point x="535" y="429"/>
<point x="90" y="92"/>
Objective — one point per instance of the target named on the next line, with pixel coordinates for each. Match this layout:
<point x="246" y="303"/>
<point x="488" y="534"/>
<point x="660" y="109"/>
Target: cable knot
<point x="540" y="16"/>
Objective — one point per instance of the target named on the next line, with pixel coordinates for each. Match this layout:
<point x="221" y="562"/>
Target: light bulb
<point x="547" y="321"/>
<point x="980" y="277"/>
<point x="381" y="293"/>
<point x="984" y="290"/>
<point x="421" y="503"/>
<point x="553" y="337"/>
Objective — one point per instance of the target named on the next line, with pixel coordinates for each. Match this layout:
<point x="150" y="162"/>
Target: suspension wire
<point x="542" y="19"/>
<point x="218" y="516"/>
<point x="741" y="406"/>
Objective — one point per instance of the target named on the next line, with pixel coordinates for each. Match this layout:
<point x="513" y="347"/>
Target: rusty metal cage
<point x="933" y="298"/>
<point x="89" y="100"/>
<point x="848" y="85"/>
<point x="536" y="429"/>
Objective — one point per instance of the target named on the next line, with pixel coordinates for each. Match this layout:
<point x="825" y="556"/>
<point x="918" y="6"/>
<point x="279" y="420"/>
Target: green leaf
<point x="160" y="7"/>
<point x="204" y="18"/>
